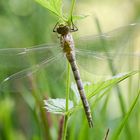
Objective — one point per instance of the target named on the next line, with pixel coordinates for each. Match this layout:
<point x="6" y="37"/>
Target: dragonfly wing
<point x="105" y="64"/>
<point x="23" y="78"/>
<point x="110" y="61"/>
<point x="109" y="53"/>
<point x="118" y="38"/>
<point x="17" y="64"/>
<point x="23" y="57"/>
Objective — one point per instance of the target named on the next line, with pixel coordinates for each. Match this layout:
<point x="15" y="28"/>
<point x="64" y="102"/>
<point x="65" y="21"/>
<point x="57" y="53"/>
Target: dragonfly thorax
<point x="63" y="29"/>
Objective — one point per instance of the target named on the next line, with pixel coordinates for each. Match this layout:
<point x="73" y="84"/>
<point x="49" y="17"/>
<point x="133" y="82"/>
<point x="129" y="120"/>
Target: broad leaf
<point x="57" y="106"/>
<point x="55" y="6"/>
<point x="76" y="97"/>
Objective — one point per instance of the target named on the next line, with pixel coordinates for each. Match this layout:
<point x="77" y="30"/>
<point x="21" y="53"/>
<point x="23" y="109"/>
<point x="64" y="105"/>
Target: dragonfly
<point x="67" y="44"/>
<point x="103" y="49"/>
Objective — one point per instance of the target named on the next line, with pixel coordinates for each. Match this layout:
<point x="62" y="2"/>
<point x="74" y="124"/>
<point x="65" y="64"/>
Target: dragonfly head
<point x="63" y="29"/>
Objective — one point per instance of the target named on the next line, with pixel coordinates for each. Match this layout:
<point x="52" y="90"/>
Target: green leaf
<point x="76" y="97"/>
<point x="124" y="121"/>
<point x="55" y="6"/>
<point x="57" y="106"/>
<point x="79" y="17"/>
<point x="101" y="86"/>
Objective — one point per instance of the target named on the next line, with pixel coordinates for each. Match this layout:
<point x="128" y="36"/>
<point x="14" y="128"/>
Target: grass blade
<point x="124" y="121"/>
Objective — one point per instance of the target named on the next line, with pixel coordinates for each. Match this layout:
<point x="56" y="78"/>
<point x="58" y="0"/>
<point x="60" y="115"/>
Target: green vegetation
<point x="41" y="101"/>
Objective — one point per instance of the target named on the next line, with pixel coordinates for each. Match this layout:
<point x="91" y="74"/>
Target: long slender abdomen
<point x="71" y="58"/>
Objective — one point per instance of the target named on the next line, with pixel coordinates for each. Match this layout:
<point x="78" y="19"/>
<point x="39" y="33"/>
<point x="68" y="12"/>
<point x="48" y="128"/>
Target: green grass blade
<point x="111" y="66"/>
<point x="124" y="121"/>
<point x="104" y="85"/>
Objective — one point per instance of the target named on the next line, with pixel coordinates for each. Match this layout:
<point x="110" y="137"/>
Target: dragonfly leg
<point x="55" y="27"/>
<point x="73" y="27"/>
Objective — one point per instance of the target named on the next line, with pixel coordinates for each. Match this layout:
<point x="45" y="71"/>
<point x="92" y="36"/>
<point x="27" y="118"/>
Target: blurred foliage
<point x="22" y="116"/>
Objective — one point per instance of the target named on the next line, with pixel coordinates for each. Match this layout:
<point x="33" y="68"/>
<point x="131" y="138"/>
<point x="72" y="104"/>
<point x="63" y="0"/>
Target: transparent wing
<point x="18" y="64"/>
<point x="21" y="51"/>
<point x="51" y="69"/>
<point x="101" y="66"/>
<point x="108" y="58"/>
<point x="19" y="57"/>
<point x="111" y="40"/>
<point x="109" y="53"/>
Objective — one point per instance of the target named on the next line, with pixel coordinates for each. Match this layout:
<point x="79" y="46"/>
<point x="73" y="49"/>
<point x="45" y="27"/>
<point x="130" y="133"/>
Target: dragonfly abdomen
<point x="76" y="73"/>
<point x="67" y="45"/>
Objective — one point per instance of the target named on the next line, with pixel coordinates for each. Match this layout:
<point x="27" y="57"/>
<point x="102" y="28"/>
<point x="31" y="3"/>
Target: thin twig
<point x="106" y="135"/>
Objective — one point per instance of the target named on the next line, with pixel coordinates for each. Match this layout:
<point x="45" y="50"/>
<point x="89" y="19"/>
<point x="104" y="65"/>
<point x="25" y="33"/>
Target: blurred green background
<point x="22" y="116"/>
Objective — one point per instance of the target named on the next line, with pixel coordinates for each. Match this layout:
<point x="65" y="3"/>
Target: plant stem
<point x="67" y="104"/>
<point x="71" y="11"/>
<point x="72" y="7"/>
<point x="65" y="127"/>
<point x="68" y="88"/>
